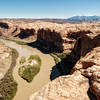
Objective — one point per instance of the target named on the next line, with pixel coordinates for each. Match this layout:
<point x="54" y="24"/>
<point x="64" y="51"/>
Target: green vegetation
<point x="35" y="57"/>
<point x="56" y="59"/>
<point x="22" y="60"/>
<point x="8" y="86"/>
<point x="17" y="41"/>
<point x="59" y="56"/>
<point x="62" y="56"/>
<point x="28" y="72"/>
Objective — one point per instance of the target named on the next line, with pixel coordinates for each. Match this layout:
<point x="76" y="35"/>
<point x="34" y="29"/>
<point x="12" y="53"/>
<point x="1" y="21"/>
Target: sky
<point x="48" y="8"/>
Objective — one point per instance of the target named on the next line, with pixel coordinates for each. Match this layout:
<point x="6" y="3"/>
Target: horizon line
<point x="45" y="17"/>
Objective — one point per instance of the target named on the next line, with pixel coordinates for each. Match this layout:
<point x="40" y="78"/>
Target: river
<point x="25" y="89"/>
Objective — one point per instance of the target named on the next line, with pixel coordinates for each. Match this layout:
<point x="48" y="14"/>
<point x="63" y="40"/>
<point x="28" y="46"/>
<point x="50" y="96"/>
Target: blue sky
<point x="48" y="8"/>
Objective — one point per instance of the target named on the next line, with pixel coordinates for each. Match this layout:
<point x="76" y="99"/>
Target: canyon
<point x="77" y="76"/>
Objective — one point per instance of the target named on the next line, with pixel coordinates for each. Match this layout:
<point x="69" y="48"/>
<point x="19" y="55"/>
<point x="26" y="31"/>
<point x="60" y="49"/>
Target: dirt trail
<point x="26" y="89"/>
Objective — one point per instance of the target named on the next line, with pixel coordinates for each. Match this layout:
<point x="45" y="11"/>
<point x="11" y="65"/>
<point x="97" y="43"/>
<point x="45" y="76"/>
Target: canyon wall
<point x="53" y="35"/>
<point x="82" y="81"/>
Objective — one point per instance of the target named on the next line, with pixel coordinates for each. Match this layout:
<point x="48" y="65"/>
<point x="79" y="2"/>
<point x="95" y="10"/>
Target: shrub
<point x="22" y="60"/>
<point x="62" y="56"/>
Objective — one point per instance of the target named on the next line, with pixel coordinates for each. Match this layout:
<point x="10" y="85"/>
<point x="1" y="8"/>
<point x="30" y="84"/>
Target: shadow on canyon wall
<point x="24" y="33"/>
<point x="4" y="25"/>
<point x="48" y="41"/>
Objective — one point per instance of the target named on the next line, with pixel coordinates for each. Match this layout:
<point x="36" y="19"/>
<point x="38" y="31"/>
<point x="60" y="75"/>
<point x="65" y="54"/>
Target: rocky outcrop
<point x="89" y="66"/>
<point x="88" y="49"/>
<point x="71" y="87"/>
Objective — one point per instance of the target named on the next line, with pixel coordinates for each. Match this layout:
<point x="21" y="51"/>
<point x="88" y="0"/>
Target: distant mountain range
<point x="73" y="19"/>
<point x="84" y="18"/>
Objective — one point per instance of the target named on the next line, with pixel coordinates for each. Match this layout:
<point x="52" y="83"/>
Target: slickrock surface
<point x="71" y="87"/>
